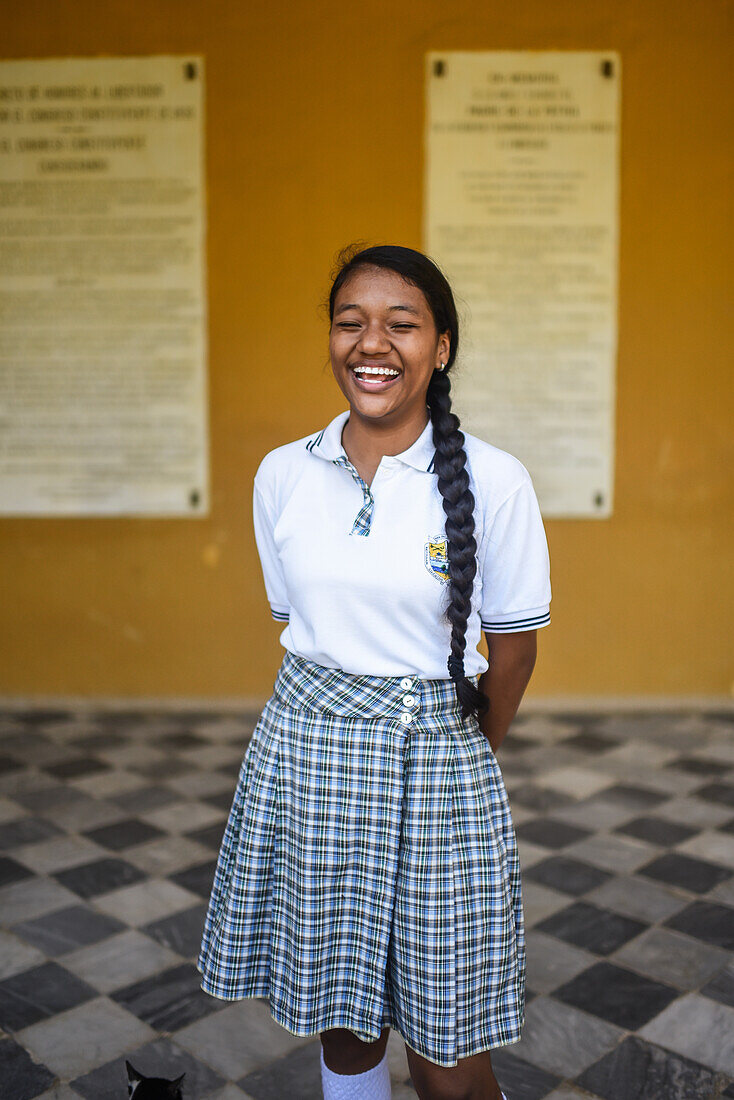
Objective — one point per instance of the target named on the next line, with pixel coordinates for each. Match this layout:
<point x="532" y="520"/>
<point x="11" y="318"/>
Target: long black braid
<point x="450" y="458"/>
<point x="458" y="504"/>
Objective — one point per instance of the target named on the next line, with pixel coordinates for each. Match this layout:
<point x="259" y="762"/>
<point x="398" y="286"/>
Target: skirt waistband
<point x="305" y="685"/>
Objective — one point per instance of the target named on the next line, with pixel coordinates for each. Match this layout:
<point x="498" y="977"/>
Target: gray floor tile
<point x="562" y="1039"/>
<point x="81" y="1038"/>
<point x="712" y="845"/>
<point x="60" y="853"/>
<point x="540" y="901"/>
<point x="697" y="1028"/>
<point x="119" y="960"/>
<point x="238" y="1039"/>
<point x="32" y="898"/>
<point x="16" y="955"/>
<point x="146" y="901"/>
<point x="169" y="854"/>
<point x="672" y="957"/>
<point x="638" y="898"/>
<point x="696" y="811"/>
<point x="613" y="853"/>
<point x="550" y="962"/>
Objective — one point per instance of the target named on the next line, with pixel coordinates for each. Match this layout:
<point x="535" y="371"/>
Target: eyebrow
<point x="391" y="309"/>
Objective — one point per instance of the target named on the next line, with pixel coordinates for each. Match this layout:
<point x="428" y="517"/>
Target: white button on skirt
<point x="368" y="874"/>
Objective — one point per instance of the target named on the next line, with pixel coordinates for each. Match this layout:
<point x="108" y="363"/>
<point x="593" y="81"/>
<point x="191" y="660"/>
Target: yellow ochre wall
<point x="315" y="139"/>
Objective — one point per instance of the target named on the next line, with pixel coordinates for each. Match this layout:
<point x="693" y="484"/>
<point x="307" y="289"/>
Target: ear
<point x="175" y="1087"/>
<point x="444" y="348"/>
<point x="133" y="1077"/>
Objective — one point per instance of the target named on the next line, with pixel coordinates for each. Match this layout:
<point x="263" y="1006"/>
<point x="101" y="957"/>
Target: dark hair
<point x="450" y="459"/>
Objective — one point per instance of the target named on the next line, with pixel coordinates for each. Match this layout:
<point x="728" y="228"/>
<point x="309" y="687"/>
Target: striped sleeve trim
<point x="280" y="615"/>
<point x="506" y="627"/>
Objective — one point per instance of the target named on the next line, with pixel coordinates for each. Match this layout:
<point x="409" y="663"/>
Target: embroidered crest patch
<point x="437" y="558"/>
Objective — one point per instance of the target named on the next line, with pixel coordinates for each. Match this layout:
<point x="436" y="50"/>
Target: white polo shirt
<point x="359" y="574"/>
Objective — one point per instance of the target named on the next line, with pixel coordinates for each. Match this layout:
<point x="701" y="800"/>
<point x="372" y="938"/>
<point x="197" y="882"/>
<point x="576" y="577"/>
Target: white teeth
<point x="377" y="370"/>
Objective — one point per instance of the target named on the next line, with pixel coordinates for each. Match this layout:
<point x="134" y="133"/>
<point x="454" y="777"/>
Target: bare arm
<point x="511" y="663"/>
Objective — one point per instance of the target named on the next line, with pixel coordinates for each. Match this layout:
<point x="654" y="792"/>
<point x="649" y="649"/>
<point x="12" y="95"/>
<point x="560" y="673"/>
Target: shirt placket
<point x="361" y="525"/>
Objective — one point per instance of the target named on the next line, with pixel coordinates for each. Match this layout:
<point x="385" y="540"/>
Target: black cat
<point x="152" y="1088"/>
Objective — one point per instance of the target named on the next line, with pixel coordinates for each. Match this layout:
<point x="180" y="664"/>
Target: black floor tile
<point x="26" y="830"/>
<point x="640" y="1071"/>
<point x="727" y="827"/>
<point x="590" y="742"/>
<point x="181" y="932"/>
<point x="598" y="930"/>
<point x="694" y="766"/>
<point x="636" y="798"/>
<point x="169" y="1000"/>
<point x="161" y="1058"/>
<point x="9" y="764"/>
<point x="39" y="993"/>
<point x="298" y="1074"/>
<point x="76" y="767"/>
<point x="21" y="1078"/>
<point x="655" y="830"/>
<point x="220" y="801"/>
<point x="12" y="871"/>
<point x="153" y="797"/>
<point x="92" y="879"/>
<point x="617" y="995"/>
<point x="178" y="741"/>
<point x="696" y="875"/>
<point x="539" y="798"/>
<point x="123" y="834"/>
<point x="550" y="833"/>
<point x="721" y="988"/>
<point x="717" y="792"/>
<point x="707" y="921"/>
<point x="158" y="770"/>
<point x="66" y="929"/>
<point x="99" y="740"/>
<point x="520" y="1080"/>
<point x="571" y="876"/>
<point x="197" y="879"/>
<point x="210" y="837"/>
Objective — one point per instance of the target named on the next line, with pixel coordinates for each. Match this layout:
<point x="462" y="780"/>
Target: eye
<point x="347" y="324"/>
<point x="404" y="324"/>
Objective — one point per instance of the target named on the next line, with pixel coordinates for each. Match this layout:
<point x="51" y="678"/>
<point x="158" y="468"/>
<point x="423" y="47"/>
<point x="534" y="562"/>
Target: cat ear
<point x="175" y="1086"/>
<point x="133" y="1077"/>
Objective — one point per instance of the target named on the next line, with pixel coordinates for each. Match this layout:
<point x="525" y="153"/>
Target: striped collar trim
<point x="328" y="444"/>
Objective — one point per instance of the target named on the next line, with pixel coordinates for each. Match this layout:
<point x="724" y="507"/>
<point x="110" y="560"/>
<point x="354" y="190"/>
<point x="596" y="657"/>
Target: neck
<point x="367" y="441"/>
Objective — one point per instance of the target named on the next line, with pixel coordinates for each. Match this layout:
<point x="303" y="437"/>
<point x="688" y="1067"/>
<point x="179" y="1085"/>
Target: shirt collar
<point x="328" y="444"/>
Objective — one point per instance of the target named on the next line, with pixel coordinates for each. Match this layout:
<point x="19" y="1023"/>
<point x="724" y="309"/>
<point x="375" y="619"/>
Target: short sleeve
<point x="264" y="523"/>
<point x="515" y="566"/>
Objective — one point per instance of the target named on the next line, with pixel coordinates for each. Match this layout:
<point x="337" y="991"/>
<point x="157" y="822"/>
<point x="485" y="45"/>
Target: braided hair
<point x="450" y="458"/>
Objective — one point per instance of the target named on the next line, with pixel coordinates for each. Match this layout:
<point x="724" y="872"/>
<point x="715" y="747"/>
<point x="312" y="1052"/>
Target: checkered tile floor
<point x="110" y="823"/>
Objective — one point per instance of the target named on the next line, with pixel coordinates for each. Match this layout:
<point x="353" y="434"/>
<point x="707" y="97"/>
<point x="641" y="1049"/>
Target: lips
<point x="374" y="377"/>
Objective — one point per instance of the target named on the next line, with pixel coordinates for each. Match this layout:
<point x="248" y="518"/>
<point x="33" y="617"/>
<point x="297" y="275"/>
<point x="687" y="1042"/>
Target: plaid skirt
<point x="368" y="874"/>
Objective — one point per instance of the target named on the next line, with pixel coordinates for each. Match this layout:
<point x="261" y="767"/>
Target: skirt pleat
<point x="368" y="874"/>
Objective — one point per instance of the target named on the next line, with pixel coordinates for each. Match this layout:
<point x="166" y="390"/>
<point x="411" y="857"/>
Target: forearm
<point x="512" y="659"/>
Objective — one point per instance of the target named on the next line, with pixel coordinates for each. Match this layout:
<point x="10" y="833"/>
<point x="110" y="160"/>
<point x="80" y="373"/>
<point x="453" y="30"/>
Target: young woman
<point x="368" y="876"/>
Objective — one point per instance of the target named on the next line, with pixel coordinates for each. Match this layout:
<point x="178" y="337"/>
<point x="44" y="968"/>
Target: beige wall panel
<point x="314" y="134"/>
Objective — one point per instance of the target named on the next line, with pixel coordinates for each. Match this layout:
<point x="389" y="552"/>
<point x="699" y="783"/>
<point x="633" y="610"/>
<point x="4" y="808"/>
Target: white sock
<point x="372" y="1085"/>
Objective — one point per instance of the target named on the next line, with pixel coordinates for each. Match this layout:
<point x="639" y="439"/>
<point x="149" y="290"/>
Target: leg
<point x="345" y="1053"/>
<point x="470" y="1079"/>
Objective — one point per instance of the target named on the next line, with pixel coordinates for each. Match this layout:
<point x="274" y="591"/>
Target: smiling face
<point x="384" y="347"/>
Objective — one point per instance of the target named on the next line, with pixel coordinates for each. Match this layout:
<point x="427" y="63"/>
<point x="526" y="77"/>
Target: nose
<point x="373" y="339"/>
